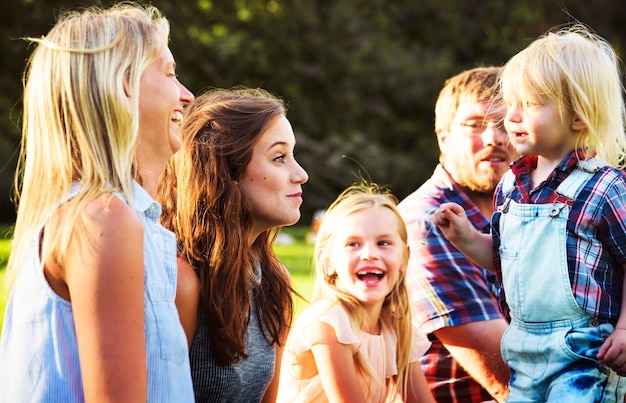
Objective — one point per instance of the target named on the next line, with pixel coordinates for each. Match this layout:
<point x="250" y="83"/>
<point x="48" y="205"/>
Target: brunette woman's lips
<point x="296" y="196"/>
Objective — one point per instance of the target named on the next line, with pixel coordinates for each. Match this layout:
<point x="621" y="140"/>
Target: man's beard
<point x="477" y="181"/>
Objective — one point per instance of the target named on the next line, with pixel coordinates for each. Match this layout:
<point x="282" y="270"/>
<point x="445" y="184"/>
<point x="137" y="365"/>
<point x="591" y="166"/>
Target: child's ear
<point x="318" y="257"/>
<point x="405" y="260"/>
<point x="577" y="124"/>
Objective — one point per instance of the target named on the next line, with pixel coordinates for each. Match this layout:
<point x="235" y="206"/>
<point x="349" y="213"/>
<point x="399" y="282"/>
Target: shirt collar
<point x="529" y="162"/>
<point x="144" y="203"/>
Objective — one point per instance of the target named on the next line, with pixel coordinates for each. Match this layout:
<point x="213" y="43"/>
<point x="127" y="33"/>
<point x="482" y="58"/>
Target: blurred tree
<point x="19" y="19"/>
<point x="360" y="76"/>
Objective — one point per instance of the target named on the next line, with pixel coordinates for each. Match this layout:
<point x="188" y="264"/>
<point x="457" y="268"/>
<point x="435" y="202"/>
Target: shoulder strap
<point x="578" y="178"/>
<point x="508" y="182"/>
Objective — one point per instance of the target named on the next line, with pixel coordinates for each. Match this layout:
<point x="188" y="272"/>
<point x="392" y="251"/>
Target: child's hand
<point x="452" y="221"/>
<point x="613" y="352"/>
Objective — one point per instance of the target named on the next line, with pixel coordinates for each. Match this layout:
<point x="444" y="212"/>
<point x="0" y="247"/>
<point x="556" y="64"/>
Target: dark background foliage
<point x="360" y="77"/>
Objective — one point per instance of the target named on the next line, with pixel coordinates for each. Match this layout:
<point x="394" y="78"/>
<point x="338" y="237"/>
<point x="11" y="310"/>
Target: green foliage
<point x="6" y="233"/>
<point x="4" y="296"/>
<point x="5" y="248"/>
<point x="360" y="76"/>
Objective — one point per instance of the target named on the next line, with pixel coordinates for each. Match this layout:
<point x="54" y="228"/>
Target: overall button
<point x="593" y="322"/>
<point x="556" y="209"/>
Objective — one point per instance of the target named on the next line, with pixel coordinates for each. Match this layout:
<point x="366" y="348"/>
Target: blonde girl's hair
<point x="396" y="311"/>
<point x="209" y="211"/>
<point x="580" y="71"/>
<point x="81" y="109"/>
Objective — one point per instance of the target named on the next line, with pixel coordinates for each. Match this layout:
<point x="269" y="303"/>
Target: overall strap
<point x="578" y="178"/>
<point x="508" y="182"/>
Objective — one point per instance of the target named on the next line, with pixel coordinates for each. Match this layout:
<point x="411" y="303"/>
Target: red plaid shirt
<point x="596" y="230"/>
<point x="445" y="288"/>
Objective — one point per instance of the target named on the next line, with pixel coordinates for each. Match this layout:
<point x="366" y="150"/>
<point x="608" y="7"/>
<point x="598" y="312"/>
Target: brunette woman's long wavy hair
<point x="207" y="209"/>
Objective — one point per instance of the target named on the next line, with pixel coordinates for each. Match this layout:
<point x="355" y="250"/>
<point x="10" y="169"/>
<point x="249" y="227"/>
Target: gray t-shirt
<point x="244" y="382"/>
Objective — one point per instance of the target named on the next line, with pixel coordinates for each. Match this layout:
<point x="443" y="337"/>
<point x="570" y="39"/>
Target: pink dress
<point x="379" y="350"/>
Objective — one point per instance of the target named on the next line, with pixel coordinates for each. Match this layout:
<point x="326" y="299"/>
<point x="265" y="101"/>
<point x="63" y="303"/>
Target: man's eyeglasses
<point x="476" y="127"/>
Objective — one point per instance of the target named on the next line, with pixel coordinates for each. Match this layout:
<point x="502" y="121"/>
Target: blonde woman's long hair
<point x="580" y="71"/>
<point x="81" y="109"/>
<point x="396" y="309"/>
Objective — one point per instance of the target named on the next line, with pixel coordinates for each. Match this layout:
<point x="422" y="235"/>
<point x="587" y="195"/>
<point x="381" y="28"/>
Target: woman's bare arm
<point x="187" y="298"/>
<point x="104" y="273"/>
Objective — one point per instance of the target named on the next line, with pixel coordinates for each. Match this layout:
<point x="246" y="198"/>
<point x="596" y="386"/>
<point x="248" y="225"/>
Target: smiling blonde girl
<point x="356" y="343"/>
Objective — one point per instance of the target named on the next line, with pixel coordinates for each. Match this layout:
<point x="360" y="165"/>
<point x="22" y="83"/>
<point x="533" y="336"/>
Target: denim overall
<point x="551" y="343"/>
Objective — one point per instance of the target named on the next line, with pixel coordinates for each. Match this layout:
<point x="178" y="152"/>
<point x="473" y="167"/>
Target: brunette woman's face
<point x="273" y="178"/>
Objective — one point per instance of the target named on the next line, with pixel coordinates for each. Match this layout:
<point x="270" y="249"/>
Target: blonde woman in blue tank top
<point x="91" y="313"/>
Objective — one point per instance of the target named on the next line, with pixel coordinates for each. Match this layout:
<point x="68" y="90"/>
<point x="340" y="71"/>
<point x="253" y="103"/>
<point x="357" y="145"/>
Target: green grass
<point x="3" y="296"/>
<point x="297" y="257"/>
<point x="5" y="248"/>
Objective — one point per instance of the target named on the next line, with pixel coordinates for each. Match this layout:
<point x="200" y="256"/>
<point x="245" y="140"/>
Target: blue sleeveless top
<point x="38" y="350"/>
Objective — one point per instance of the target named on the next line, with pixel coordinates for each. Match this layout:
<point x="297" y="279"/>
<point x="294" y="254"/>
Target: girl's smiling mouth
<point x="370" y="276"/>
